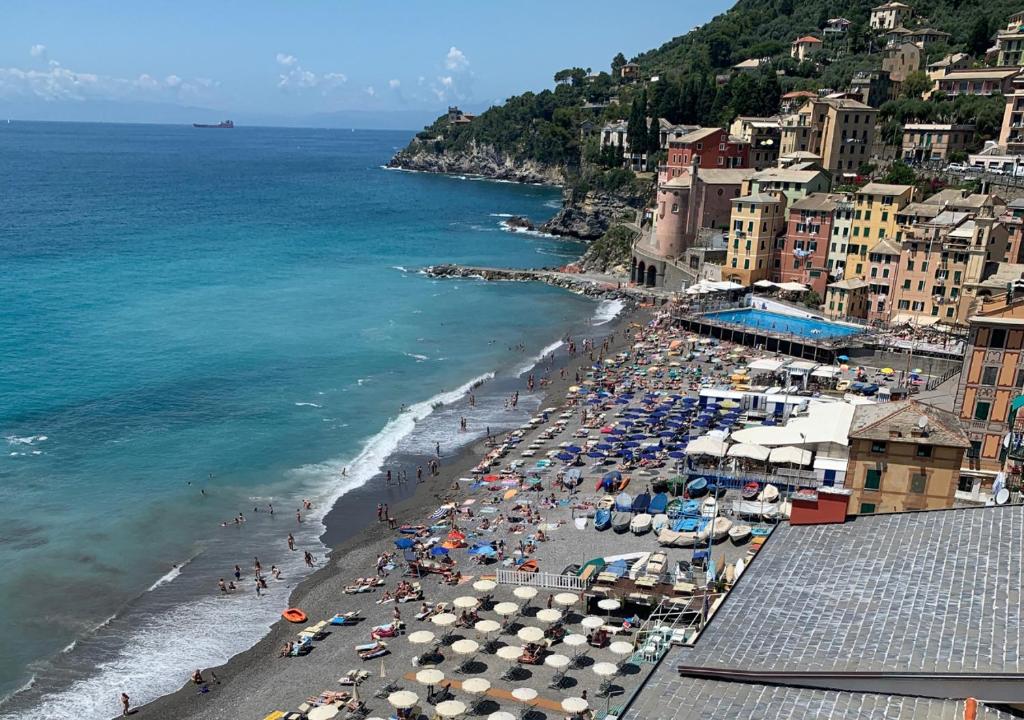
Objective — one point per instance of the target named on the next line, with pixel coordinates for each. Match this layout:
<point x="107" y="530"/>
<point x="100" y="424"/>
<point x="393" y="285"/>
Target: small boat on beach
<point x="659" y="521"/>
<point x="739" y="534"/>
<point x="717" y="529"/>
<point x="659" y="503"/>
<point x="641" y="502"/>
<point x="294" y="615"/>
<point x="754" y="509"/>
<point x="691" y="508"/>
<point x="697" y="488"/>
<point x="671" y="538"/>
<point x="769" y="494"/>
<point x="709" y="508"/>
<point x="602" y="519"/>
<point x="750" y="491"/>
<point x="760" y="532"/>
<point x="640" y="524"/>
<point x="674" y="508"/>
<point x="686" y="524"/>
<point x="624" y="502"/>
<point x="620" y="522"/>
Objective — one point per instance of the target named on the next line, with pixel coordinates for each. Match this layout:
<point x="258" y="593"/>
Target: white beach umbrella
<point x="485" y="627"/>
<point x="575" y="640"/>
<point x="501" y="715"/>
<point x="484" y="586"/>
<point x="592" y="622"/>
<point x="476" y="686"/>
<point x="525" y="592"/>
<point x="421" y="637"/>
<point x="444" y="619"/>
<point x="429" y="677"/>
<point x="788" y="454"/>
<point x="323" y="712"/>
<point x="465" y="602"/>
<point x="506" y="609"/>
<point x="621" y="647"/>
<point x="530" y="634"/>
<point x="549" y="615"/>
<point x="566" y="599"/>
<point x="749" y="451"/>
<point x="609" y="604"/>
<point x="557" y="661"/>
<point x="575" y="705"/>
<point x="524" y="694"/>
<point x="450" y="708"/>
<point x="403" y="699"/>
<point x="465" y="647"/>
<point x="510" y="652"/>
<point x="605" y="669"/>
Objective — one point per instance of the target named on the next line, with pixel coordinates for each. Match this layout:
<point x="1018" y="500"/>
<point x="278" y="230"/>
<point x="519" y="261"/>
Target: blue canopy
<point x="437" y="551"/>
<point x="565" y="457"/>
<point x="485" y="550"/>
<point x="596" y="454"/>
<point x="573" y="449"/>
<point x="613" y="475"/>
<point x="403" y="543"/>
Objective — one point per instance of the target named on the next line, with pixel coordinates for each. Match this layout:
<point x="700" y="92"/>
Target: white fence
<point x="550" y="581"/>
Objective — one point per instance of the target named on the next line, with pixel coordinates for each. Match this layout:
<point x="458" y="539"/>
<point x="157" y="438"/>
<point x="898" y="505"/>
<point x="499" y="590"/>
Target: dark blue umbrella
<point x="437" y="551"/>
<point x="768" y="421"/>
<point x="677" y="454"/>
<point x="631" y="444"/>
<point x="614" y="475"/>
<point x="604" y="446"/>
<point x="596" y="454"/>
<point x="667" y="433"/>
<point x="403" y="543"/>
<point x="627" y="423"/>
<point x="573" y="449"/>
<point x="565" y="457"/>
<point x="689" y="401"/>
<point x="620" y="401"/>
<point x="485" y="550"/>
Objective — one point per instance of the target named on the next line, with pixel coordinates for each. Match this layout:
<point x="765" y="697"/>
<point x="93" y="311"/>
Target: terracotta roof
<point x="878" y="421"/>
<point x="806" y="39"/>
<point x="698" y="135"/>
<point x="884" y="189"/>
<point x="850" y="284"/>
<point x="885" y="246"/>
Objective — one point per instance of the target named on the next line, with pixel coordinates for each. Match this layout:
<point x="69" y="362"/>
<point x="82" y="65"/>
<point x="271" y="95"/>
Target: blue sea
<point x="197" y="323"/>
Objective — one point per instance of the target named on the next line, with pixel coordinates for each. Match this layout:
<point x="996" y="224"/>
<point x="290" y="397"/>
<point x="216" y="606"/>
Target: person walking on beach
<point x="380" y="512"/>
<point x="125" y="702"/>
<point x="308" y="557"/>
<point x="385" y="511"/>
<point x="419" y="473"/>
<point x="437" y="449"/>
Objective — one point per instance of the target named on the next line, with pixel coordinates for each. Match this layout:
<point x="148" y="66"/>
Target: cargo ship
<point x="223" y="124"/>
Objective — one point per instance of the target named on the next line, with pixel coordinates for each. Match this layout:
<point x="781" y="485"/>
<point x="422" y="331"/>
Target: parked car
<point x="957" y="167"/>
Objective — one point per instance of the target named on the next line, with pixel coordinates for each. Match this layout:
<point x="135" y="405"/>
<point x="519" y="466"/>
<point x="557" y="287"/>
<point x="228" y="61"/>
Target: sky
<point x="307" y="60"/>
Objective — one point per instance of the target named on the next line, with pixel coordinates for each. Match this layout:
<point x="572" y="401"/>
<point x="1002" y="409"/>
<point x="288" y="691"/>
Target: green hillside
<point x="545" y="127"/>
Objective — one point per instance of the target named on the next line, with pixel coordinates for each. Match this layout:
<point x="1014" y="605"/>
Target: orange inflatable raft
<point x="294" y="615"/>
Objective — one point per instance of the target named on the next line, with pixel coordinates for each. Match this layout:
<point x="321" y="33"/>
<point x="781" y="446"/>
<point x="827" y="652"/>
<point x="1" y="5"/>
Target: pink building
<point x="801" y="254"/>
<point x="691" y="202"/>
<point x="883" y="270"/>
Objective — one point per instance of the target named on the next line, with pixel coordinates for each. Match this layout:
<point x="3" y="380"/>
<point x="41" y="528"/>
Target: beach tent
<point x="789" y="455"/>
<point x="764" y="284"/>
<point x="707" y="445"/>
<point x="749" y="451"/>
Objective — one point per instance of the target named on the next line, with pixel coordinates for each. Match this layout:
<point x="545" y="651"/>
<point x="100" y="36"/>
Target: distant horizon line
<point x="11" y="121"/>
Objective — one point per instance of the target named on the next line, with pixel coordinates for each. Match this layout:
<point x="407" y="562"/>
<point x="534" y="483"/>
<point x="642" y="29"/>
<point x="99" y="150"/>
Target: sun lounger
<point x="276" y="715"/>
<point x="353" y="677"/>
<point x="315" y="632"/>
<point x="683" y="588"/>
<point x="348" y="618"/>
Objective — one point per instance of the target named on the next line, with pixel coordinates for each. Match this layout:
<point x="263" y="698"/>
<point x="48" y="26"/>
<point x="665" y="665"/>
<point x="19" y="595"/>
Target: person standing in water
<point x="291" y="542"/>
<point x="125" y="703"/>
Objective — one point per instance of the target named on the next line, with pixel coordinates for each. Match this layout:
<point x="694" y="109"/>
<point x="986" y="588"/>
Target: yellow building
<point x="757" y="220"/>
<point x="904" y="455"/>
<point x="847" y="299"/>
<point x="874" y="219"/>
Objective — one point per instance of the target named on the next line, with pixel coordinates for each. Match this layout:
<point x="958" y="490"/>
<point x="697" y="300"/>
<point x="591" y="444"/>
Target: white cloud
<point x="456" y="59"/>
<point x="370" y="91"/>
<point x="37" y="50"/>
<point x="294" y="77"/>
<point x="394" y="84"/>
<point x="56" y="83"/>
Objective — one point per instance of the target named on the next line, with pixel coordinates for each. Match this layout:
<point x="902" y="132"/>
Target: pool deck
<point x="824" y="350"/>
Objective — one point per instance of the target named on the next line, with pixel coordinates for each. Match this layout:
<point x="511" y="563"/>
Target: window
<point x="873" y="479"/>
<point x="998" y="338"/>
<point x="918" y="483"/>
<point x="867" y="508"/>
<point x="988" y="375"/>
<point x="1020" y="378"/>
<point x="981" y="410"/>
<point x="878" y="446"/>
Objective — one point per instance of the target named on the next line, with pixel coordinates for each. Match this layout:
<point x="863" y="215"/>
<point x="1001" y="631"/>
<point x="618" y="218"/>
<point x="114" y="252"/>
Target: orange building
<point x="756" y="221"/>
<point x="992" y="376"/>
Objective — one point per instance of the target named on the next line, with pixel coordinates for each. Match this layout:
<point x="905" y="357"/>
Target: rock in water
<point x="518" y="222"/>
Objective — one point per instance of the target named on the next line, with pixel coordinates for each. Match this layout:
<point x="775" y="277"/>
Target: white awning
<point x="793" y="287"/>
<point x="801" y="366"/>
<point x="789" y="454"/>
<point x="765" y="365"/>
<point x="707" y="445"/>
<point x="764" y="284"/>
<point x="749" y="451"/>
<point x="828" y="463"/>
<point x="826" y="371"/>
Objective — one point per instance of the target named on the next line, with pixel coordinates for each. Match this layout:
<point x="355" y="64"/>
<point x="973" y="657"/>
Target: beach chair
<point x="276" y="715"/>
<point x="315" y="632"/>
<point x="353" y="677"/>
<point x="348" y="618"/>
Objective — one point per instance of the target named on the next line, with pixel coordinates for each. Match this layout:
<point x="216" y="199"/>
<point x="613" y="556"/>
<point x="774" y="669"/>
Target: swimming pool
<point x="788" y="324"/>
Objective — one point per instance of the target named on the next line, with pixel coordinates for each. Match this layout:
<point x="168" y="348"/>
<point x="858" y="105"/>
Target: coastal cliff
<point x="589" y="215"/>
<point x="482" y="161"/>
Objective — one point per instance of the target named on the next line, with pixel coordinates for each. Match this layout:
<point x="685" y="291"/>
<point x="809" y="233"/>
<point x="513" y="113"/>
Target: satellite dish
<point x="1003" y="496"/>
<point x="922" y="422"/>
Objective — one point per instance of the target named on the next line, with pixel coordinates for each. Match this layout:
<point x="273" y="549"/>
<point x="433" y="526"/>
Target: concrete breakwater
<point x="590" y="284"/>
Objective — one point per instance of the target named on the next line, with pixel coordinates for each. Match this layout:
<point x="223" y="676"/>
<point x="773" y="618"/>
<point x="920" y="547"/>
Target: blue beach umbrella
<point x="573" y="449"/>
<point x="565" y="457"/>
<point x="485" y="550"/>
<point x="596" y="454"/>
<point x="404" y="543"/>
<point x="438" y="551"/>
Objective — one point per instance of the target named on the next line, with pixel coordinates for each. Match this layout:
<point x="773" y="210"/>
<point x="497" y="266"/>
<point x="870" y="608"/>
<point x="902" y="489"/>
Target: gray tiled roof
<point x="670" y="697"/>
<point x="932" y="591"/>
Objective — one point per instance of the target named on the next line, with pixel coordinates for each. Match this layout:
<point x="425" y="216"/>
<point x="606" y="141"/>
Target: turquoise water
<point x="791" y="325"/>
<point x="235" y="313"/>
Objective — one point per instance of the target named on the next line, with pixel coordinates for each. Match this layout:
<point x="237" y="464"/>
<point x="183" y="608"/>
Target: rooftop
<point x="884" y="189"/>
<point x="936" y="126"/>
<point x="698" y="135"/>
<point x="891" y="6"/>
<point x="849" y="284"/>
<point x="920" y="210"/>
<point x="885" y="246"/>
<point x="879" y="421"/>
<point x="786" y="175"/>
<point x="806" y="39"/>
<point x="980" y="74"/>
<point x="762" y="198"/>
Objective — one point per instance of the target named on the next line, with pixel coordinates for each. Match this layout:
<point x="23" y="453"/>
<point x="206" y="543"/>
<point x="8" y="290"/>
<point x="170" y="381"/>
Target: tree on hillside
<point x="981" y="35"/>
<point x="617" y="62"/>
<point x="636" y="126"/>
<point x="900" y="174"/>
<point x="653" y="137"/>
<point x="916" y="85"/>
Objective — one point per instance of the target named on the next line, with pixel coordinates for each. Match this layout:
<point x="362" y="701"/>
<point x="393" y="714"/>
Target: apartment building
<point x="846" y="299"/>
<point x="802" y="253"/>
<point x="874" y="219"/>
<point x="842" y="224"/>
<point x="933" y="142"/>
<point x="1010" y="42"/>
<point x="992" y="376"/>
<point x="757" y="220"/>
<point x="904" y="455"/>
<point x="1011" y="134"/>
<point x="890" y="15"/>
<point x="762" y="135"/>
<point x="883" y="273"/>
<point x="977" y="81"/>
<point x="840" y="130"/>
